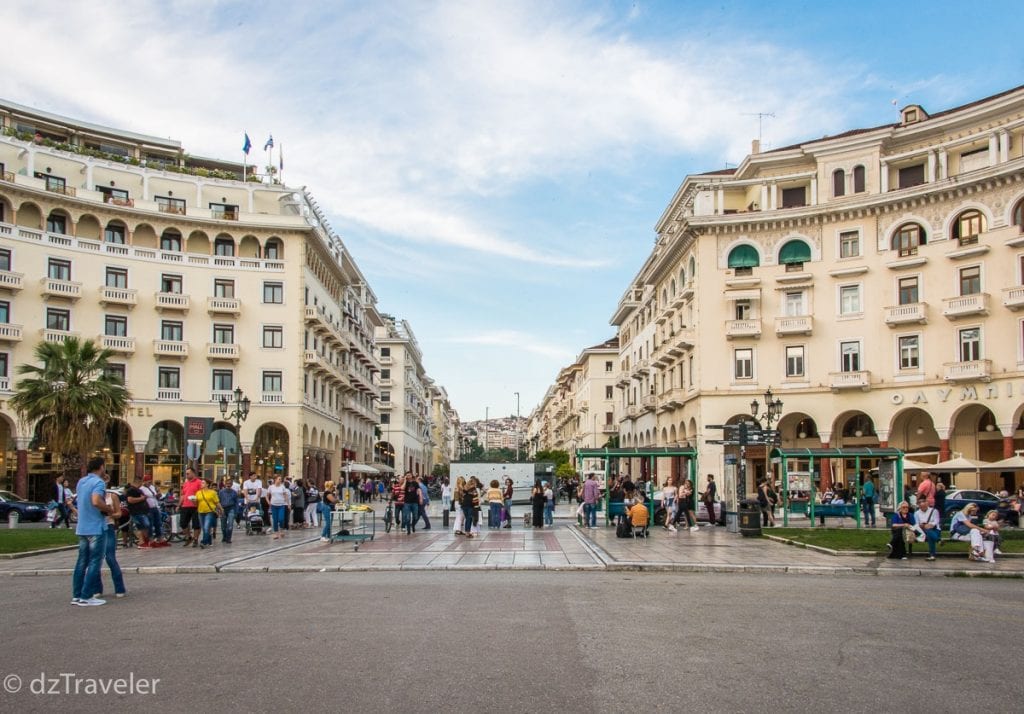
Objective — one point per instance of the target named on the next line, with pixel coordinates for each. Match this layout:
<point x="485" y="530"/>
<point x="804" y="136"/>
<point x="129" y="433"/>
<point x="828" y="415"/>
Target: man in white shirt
<point x="252" y="489"/>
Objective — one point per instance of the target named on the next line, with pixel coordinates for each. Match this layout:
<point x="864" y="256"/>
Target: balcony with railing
<point x="11" y="281"/>
<point x="224" y="214"/>
<point x="850" y="380"/>
<point x="57" y="288"/>
<point x="49" y="335"/>
<point x="742" y="328"/>
<point x="272" y="398"/>
<point x="9" y="332"/>
<point x="5" y="384"/>
<point x="225" y="351"/>
<point x="648" y="402"/>
<point x="176" y="209"/>
<point x="171" y="348"/>
<point x="794" y="325"/>
<point x="62" y="189"/>
<point x="127" y="297"/>
<point x="910" y="313"/>
<point x="623" y="378"/>
<point x="167" y="394"/>
<point x="223" y="306"/>
<point x="965" y="306"/>
<point x="172" y="301"/>
<point x="119" y="344"/>
<point x="1013" y="297"/>
<point x="219" y="394"/>
<point x="632" y="411"/>
<point x="641" y="368"/>
<point x="979" y="370"/>
<point x="609" y="428"/>
<point x="122" y="201"/>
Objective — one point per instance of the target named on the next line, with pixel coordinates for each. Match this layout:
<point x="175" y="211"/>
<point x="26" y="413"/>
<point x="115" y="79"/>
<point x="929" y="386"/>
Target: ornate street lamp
<point x="239" y="414"/>
<point x="772" y="412"/>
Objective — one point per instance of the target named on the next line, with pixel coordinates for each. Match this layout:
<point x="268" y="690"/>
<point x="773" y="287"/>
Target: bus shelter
<point x="889" y="489"/>
<point x="652" y="454"/>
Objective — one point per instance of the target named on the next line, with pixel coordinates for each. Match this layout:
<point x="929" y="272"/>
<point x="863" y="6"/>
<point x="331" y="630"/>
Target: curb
<point x="42" y="551"/>
<point x="861" y="553"/>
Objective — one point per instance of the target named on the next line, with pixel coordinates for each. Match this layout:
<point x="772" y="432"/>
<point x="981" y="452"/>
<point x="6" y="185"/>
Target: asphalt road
<point x="523" y="642"/>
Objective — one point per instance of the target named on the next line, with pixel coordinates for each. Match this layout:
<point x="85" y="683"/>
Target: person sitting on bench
<point x="639" y="517"/>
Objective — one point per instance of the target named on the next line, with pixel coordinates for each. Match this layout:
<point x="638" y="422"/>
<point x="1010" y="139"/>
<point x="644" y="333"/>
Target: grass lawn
<point x="875" y="540"/>
<point x="23" y="540"/>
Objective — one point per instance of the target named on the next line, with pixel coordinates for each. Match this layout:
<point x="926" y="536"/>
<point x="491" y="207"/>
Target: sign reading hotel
<point x="198" y="428"/>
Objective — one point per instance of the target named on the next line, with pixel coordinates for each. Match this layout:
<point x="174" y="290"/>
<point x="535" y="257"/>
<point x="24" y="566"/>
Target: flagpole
<point x="280" y="163"/>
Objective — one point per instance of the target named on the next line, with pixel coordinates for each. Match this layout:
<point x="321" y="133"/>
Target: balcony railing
<point x="170" y="348"/>
<point x="641" y="367"/>
<point x="742" y="328"/>
<point x="9" y="332"/>
<point x="915" y="312"/>
<point x="176" y="209"/>
<point x="632" y="411"/>
<point x="166" y="394"/>
<point x="272" y="398"/>
<point x="118" y="296"/>
<point x="965" y="305"/>
<point x="218" y="394"/>
<point x="850" y="380"/>
<point x="1013" y="298"/>
<point x="11" y="281"/>
<point x="624" y="378"/>
<point x="649" y="401"/>
<point x="385" y="406"/>
<point x="223" y="306"/>
<point x="5" y="384"/>
<point x="609" y="428"/>
<point x="118" y="201"/>
<point x="794" y="325"/>
<point x="979" y="370"/>
<point x="54" y="287"/>
<point x="7" y="176"/>
<point x="116" y="343"/>
<point x="49" y="335"/>
<point x="62" y="189"/>
<point x="220" y="350"/>
<point x="172" y="301"/>
<point x="225" y="215"/>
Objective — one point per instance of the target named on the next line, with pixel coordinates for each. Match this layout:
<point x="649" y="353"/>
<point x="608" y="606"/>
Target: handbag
<point x="909" y="536"/>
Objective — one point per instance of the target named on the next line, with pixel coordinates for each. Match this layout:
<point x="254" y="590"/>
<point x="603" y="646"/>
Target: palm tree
<point x="72" y="397"/>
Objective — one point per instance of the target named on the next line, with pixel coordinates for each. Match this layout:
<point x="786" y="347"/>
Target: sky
<point x="496" y="168"/>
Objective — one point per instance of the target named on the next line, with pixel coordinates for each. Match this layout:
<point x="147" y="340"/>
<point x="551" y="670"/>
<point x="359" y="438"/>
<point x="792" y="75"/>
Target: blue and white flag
<point x="270" y="143"/>
<point x="246" y="145"/>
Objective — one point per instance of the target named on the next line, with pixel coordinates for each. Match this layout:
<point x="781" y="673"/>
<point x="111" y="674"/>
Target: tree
<point x="72" y="397"/>
<point x="440" y="471"/>
<point x="557" y="456"/>
<point x="565" y="471"/>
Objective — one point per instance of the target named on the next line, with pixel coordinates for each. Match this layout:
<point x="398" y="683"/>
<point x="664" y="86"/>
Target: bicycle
<point x="389" y="517"/>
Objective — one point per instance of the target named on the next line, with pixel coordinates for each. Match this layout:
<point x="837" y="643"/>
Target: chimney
<point x="755" y="146"/>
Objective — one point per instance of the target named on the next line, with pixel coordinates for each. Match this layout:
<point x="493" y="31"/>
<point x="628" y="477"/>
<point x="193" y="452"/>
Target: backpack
<point x="623" y="529"/>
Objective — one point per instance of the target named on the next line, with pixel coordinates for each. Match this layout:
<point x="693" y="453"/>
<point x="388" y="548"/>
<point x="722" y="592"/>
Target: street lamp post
<point x="772" y="412"/>
<point x="239" y="414"/>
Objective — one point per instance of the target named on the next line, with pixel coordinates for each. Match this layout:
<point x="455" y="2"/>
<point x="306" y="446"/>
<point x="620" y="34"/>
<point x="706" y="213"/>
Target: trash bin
<point x="750" y="518"/>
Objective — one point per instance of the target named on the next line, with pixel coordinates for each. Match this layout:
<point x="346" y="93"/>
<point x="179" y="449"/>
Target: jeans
<point x="207" y="521"/>
<point x="110" y="555"/>
<point x="227" y="524"/>
<point x="494" y="515"/>
<point x="590" y="514"/>
<point x="278" y="514"/>
<point x="156" y="526"/>
<point x="508" y="512"/>
<point x="86" y="579"/>
<point x="868" y="506"/>
<point x="410" y="514"/>
<point x="549" y="513"/>
<point x="142" y="525"/>
<point x="467" y="519"/>
<point x="326" y="515"/>
<point x="931" y="539"/>
<point x="63" y="514"/>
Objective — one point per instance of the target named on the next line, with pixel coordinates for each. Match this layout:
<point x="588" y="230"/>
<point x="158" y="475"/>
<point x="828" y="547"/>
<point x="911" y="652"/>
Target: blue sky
<point x="497" y="168"/>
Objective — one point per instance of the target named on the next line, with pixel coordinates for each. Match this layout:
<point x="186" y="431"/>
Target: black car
<point x="26" y="510"/>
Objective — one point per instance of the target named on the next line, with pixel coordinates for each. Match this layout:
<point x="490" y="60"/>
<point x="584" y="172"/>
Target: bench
<point x="616" y="509"/>
<point x="834" y="510"/>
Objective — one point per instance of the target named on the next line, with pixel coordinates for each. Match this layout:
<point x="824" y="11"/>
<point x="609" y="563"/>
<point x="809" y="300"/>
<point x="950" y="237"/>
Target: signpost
<point x="197" y="431"/>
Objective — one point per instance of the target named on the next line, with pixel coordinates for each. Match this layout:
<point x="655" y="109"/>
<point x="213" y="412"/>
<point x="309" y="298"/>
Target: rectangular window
<point x="794" y="304"/>
<point x="58" y="269"/>
<point x="385" y="397"/>
<point x="224" y="288"/>
<point x="970" y="344"/>
<point x="273" y="336"/>
<point x="385" y="351"/>
<point x="115" y="371"/>
<point x="273" y="293"/>
<point x="271" y="251"/>
<point x="169" y="378"/>
<point x="56" y="223"/>
<point x="743" y="364"/>
<point x="170" y="242"/>
<point x="849" y="300"/>
<point x="794" y="197"/>
<point x="910" y="352"/>
<point x="223" y="380"/>
<point x="609" y="392"/>
<point x="171" y="330"/>
<point x="56" y="184"/>
<point x="166" y="204"/>
<point x="970" y="280"/>
<point x="114" y="234"/>
<point x="911" y="176"/>
<point x="58" y="319"/>
<point x="272" y="382"/>
<point x="224" y="334"/>
<point x="607" y="366"/>
<point x="744" y="309"/>
<point x="224" y="211"/>
<point x="795" y="361"/>
<point x="115" y="325"/>
<point x="116" y="278"/>
<point x="3" y="364"/>
<point x="908" y="291"/>
<point x="170" y="284"/>
<point x="5" y="259"/>
<point x="849" y="244"/>
<point x="5" y="312"/>
<point x="849" y="356"/>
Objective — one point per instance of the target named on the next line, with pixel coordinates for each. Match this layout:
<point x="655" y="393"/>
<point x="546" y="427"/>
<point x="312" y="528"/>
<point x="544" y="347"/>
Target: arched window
<point x="224" y="247"/>
<point x="794" y="254"/>
<point x="859" y="180"/>
<point x="57" y="223"/>
<point x="744" y="257"/>
<point x="114" y="233"/>
<point x="693" y="269"/>
<point x="170" y="240"/>
<point x="907" y="238"/>
<point x="682" y="276"/>
<point x="838" y="183"/>
<point x="273" y="249"/>
<point x="673" y="286"/>
<point x="968" y="226"/>
<point x="664" y="297"/>
<point x="1018" y="214"/>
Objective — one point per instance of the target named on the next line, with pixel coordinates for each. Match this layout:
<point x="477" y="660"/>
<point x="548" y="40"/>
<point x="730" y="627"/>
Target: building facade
<point x="405" y="419"/>
<point x="873" y="280"/>
<point x="200" y="283"/>
<point x="444" y="427"/>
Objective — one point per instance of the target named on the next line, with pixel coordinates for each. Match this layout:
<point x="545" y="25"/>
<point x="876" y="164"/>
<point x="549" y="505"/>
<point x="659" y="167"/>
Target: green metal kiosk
<point x="652" y="453"/>
<point x="890" y="475"/>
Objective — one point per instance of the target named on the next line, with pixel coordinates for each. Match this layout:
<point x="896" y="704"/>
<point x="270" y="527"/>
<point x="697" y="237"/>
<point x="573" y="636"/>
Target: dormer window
<point x="912" y="114"/>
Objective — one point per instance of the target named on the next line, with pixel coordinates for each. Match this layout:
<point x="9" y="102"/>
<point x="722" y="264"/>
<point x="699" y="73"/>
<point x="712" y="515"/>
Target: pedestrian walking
<point x="709" y="497"/>
<point x="91" y="531"/>
<point x="208" y="505"/>
<point x="669" y="495"/>
<point x="156" y="516"/>
<point x="469" y="497"/>
<point x="507" y="498"/>
<point x="280" y="500"/>
<point x="537" y="502"/>
<point x="549" y="504"/>
<point x="591" y="499"/>
<point x="686" y="506"/>
<point x="312" y="506"/>
<point x="113" y="520"/>
<point x="867" y="502"/>
<point x="64" y="499"/>
<point x="187" y="514"/>
<point x="458" y="494"/>
<point x="411" y="503"/>
<point x="766" y="500"/>
<point x="424" y="503"/>
<point x="228" y="498"/>
<point x="446" y="495"/>
<point x="329" y="498"/>
<point x="298" y="493"/>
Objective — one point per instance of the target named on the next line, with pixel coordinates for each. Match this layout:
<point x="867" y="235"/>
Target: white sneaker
<point x="325" y="540"/>
<point x="77" y="601"/>
<point x="121" y="595"/>
<point x="672" y="528"/>
<point x="694" y="529"/>
<point x="998" y="552"/>
<point x="92" y="602"/>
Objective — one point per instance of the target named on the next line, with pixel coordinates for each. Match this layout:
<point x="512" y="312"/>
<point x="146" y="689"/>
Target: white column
<point x="1004" y="148"/>
<point x="764" y="197"/>
<point x="720" y="201"/>
<point x="814" y="190"/>
<point x="883" y="176"/>
<point x="943" y="164"/>
<point x="993" y="149"/>
<point x="772" y="196"/>
<point x="931" y="167"/>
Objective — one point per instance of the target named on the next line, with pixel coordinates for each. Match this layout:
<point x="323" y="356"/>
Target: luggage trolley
<point x="356" y="524"/>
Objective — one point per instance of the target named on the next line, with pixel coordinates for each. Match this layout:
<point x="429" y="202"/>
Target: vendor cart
<point x="355" y="525"/>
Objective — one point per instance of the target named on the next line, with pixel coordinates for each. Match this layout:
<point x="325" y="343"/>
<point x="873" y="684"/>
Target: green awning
<point x="744" y="256"/>
<point x="795" y="251"/>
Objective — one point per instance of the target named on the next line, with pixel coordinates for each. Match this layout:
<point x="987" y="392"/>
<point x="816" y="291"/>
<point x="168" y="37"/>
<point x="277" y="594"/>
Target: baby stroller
<point x="253" y="519"/>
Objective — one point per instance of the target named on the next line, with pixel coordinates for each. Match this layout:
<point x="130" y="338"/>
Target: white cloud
<point x="516" y="341"/>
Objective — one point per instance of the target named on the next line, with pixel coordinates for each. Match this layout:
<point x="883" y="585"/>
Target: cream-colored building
<point x="405" y="414"/>
<point x="200" y="283"/>
<point x="580" y="410"/>
<point x="444" y="426"/>
<point x="873" y="280"/>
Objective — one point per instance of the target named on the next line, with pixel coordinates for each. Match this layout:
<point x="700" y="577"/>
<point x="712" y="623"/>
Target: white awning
<point x="748" y="294"/>
<point x="354" y="468"/>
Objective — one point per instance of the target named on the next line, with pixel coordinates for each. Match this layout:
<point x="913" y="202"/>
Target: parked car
<point x="956" y="500"/>
<point x="26" y="510"/>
